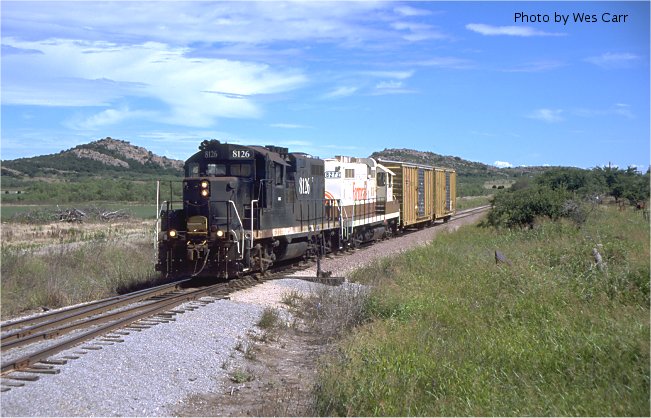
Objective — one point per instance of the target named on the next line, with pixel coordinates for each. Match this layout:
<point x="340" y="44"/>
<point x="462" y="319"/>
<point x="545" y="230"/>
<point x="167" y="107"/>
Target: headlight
<point x="220" y="234"/>
<point x="172" y="233"/>
<point x="205" y="188"/>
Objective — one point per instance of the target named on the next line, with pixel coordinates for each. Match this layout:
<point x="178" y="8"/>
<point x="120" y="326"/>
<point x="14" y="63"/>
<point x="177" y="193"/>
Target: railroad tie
<point x="13" y="384"/>
<point x="41" y="367"/>
<point x="113" y="340"/>
<point x="42" y="371"/>
<point x="28" y="378"/>
<point x="58" y="362"/>
<point x="165" y="319"/>
<point x="148" y="323"/>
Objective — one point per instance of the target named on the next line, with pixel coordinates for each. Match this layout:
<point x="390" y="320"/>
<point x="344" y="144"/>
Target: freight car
<point x="245" y="208"/>
<point x="426" y="194"/>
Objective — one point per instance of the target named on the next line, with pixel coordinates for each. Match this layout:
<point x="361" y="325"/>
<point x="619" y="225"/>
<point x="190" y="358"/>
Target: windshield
<point x="241" y="170"/>
<point x="220" y="170"/>
<point x="216" y="169"/>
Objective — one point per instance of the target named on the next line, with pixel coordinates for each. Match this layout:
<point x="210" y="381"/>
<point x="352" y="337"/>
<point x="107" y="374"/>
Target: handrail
<point x="254" y="201"/>
<point x="241" y="228"/>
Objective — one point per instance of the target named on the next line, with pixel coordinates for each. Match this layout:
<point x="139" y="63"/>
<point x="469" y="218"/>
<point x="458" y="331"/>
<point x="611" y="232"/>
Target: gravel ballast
<point x="153" y="372"/>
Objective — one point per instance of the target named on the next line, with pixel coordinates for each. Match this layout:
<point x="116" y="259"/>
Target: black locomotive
<point x="244" y="208"/>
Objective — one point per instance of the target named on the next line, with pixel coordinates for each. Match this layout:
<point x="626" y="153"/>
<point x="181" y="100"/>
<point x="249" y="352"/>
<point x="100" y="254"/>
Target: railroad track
<point x="132" y="312"/>
<point x="109" y="319"/>
<point x="469" y="212"/>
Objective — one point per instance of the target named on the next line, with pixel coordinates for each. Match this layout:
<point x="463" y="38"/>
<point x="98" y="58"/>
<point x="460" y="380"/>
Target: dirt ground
<point x="20" y="235"/>
<point x="283" y="373"/>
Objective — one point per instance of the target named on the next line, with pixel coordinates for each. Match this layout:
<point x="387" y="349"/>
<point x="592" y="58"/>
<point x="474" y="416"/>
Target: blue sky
<point x="468" y="79"/>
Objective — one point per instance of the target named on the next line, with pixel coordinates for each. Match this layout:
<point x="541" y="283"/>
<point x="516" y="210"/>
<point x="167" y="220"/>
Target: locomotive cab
<point x="219" y="186"/>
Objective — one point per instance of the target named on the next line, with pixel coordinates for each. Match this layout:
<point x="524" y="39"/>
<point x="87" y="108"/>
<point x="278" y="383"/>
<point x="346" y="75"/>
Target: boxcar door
<point x="421" y="192"/>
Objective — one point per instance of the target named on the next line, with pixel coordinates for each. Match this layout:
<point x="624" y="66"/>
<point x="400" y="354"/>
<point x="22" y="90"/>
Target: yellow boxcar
<point x="413" y="187"/>
<point x="446" y="193"/>
<point x="425" y="193"/>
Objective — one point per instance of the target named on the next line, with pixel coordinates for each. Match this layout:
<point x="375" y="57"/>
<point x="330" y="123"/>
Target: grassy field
<point x="60" y="264"/>
<point x="472" y="202"/>
<point x="450" y="332"/>
<point x="141" y="211"/>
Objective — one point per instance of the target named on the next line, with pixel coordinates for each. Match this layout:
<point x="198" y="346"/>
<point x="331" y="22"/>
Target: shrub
<point x="520" y="208"/>
<point x="269" y="318"/>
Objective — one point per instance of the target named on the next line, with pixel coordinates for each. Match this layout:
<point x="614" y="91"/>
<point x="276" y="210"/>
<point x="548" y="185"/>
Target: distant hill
<point x="473" y="178"/>
<point x="114" y="170"/>
<point x="105" y="157"/>
<point x="463" y="167"/>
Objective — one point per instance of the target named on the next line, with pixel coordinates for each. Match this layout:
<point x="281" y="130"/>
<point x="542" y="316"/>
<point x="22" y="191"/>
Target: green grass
<point x="269" y="319"/>
<point x="32" y="278"/>
<point x="452" y="333"/>
<point x="472" y="202"/>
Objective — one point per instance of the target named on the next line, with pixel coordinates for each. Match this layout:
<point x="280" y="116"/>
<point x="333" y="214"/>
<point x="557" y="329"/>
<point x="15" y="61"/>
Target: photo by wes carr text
<point x="606" y="17"/>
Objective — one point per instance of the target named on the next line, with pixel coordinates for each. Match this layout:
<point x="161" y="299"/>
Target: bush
<point x="520" y="208"/>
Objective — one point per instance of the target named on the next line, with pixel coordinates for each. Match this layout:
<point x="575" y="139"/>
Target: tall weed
<point x="33" y="279"/>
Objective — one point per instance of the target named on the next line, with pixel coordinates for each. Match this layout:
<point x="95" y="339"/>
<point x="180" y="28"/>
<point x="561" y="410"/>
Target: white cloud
<point x="181" y="23"/>
<point x="411" y="11"/>
<point x="400" y="75"/>
<point x="614" y="60"/>
<point x="417" y="31"/>
<point x="502" y="164"/>
<point x="547" y="115"/>
<point x="391" y="87"/>
<point x="524" y="31"/>
<point x="446" y="62"/>
<point x="152" y="70"/>
<point x="287" y="126"/>
<point x="392" y="84"/>
<point x="342" y="91"/>
<point x="618" y="109"/>
<point x="534" y="67"/>
<point x="106" y="118"/>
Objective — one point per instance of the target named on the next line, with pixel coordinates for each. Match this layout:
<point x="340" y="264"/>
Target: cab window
<point x="279" y="173"/>
<point x="241" y="170"/>
<point x="381" y="179"/>
<point x="192" y="170"/>
<point x="216" y="169"/>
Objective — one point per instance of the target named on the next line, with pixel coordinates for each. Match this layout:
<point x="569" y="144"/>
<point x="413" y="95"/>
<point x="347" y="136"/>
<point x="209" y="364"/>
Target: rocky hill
<point x="105" y="157"/>
<point x="463" y="167"/>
